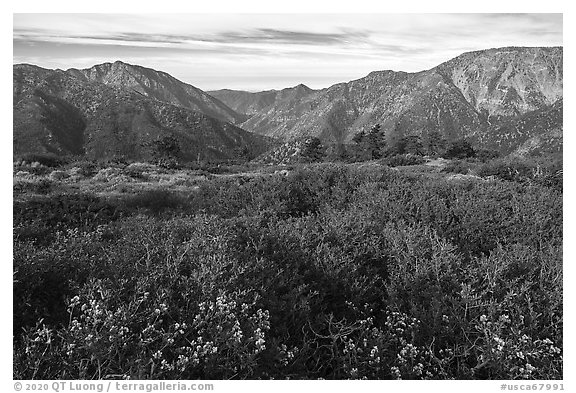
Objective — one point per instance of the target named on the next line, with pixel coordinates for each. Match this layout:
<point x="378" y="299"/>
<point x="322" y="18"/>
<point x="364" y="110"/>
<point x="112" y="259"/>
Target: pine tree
<point x="376" y="141"/>
<point x="312" y="150"/>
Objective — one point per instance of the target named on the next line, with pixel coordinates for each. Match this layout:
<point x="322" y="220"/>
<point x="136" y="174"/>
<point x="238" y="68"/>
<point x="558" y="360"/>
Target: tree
<point x="459" y="149"/>
<point x="413" y="145"/>
<point x="435" y="143"/>
<point x="359" y="137"/>
<point x="166" y="150"/>
<point x="337" y="153"/>
<point x="410" y="144"/>
<point x="376" y="141"/>
<point x="243" y="153"/>
<point x="312" y="150"/>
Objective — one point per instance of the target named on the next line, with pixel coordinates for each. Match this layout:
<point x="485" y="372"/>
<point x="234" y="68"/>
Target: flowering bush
<point x="326" y="272"/>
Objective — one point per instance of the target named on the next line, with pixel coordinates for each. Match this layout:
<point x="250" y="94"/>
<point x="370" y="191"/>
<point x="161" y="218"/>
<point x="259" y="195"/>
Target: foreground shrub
<point x="543" y="172"/>
<point x="34" y="185"/>
<point x="40" y="219"/>
<point x="328" y="271"/>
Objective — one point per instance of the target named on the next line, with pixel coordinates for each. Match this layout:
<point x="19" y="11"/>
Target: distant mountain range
<point x="477" y="95"/>
<point x="508" y="99"/>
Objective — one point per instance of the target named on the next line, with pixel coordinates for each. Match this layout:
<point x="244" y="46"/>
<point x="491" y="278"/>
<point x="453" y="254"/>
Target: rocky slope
<point x="507" y="81"/>
<point x="472" y="95"/>
<point x="65" y="113"/>
<point x="160" y="86"/>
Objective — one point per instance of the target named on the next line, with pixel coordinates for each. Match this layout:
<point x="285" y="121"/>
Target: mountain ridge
<point x="499" y="98"/>
<point x="158" y="85"/>
<point x="58" y="111"/>
<point x="463" y="97"/>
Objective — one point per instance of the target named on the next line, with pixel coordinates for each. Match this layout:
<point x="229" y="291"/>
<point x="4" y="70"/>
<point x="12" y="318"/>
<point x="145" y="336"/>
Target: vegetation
<point x="460" y="149"/>
<point x="318" y="271"/>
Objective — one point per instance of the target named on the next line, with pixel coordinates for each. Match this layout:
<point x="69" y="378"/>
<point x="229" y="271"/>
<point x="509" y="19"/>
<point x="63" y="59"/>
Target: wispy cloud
<point x="253" y="36"/>
<point x="290" y="37"/>
<point x="253" y="51"/>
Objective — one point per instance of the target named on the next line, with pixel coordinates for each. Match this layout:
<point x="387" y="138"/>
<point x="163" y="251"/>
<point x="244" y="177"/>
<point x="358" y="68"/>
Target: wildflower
<point x="260" y="345"/>
<point x="504" y="318"/>
<point x="483" y="318"/>
<point x="418" y="369"/>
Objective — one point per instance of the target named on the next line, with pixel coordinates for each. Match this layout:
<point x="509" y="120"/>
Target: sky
<point x="257" y="52"/>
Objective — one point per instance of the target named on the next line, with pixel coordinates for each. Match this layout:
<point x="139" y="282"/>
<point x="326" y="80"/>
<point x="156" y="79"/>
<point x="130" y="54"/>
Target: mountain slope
<point x="507" y="81"/>
<point x="534" y="133"/>
<point x="160" y="86"/>
<point x="468" y="96"/>
<point x="59" y="112"/>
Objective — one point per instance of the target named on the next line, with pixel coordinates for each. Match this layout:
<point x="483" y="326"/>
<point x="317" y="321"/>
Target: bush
<point x="404" y="159"/>
<point x="84" y="168"/>
<point x="35" y="185"/>
<point x="155" y="201"/>
<point x="459" y="149"/>
<point x="47" y="159"/>
<point x="331" y="271"/>
<point x="546" y="173"/>
<point x="486" y="155"/>
<point x="458" y="166"/>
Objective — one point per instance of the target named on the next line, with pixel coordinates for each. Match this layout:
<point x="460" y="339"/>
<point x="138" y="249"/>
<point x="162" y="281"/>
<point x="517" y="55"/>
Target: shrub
<point x="46" y="159"/>
<point x="524" y="170"/>
<point x="404" y="159"/>
<point x="486" y="155"/>
<point x="35" y="185"/>
<point x="83" y="168"/>
<point x="330" y="271"/>
<point x="155" y="200"/>
<point x="459" y="149"/>
<point x="458" y="166"/>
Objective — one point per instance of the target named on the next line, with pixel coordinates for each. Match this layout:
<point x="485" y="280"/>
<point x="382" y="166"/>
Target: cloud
<point x="266" y="35"/>
<point x="252" y="36"/>
<point x="268" y="50"/>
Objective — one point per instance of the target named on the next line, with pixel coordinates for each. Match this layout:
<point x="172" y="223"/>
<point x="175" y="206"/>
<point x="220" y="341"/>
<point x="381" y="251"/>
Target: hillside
<point x="469" y="96"/>
<point x="64" y="113"/>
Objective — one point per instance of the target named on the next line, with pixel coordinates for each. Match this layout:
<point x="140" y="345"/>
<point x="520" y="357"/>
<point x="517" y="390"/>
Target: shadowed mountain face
<point x="66" y="113"/>
<point x="472" y="95"/>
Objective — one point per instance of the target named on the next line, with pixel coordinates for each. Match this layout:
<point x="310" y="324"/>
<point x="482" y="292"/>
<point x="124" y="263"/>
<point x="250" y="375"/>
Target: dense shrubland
<point x="330" y="271"/>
